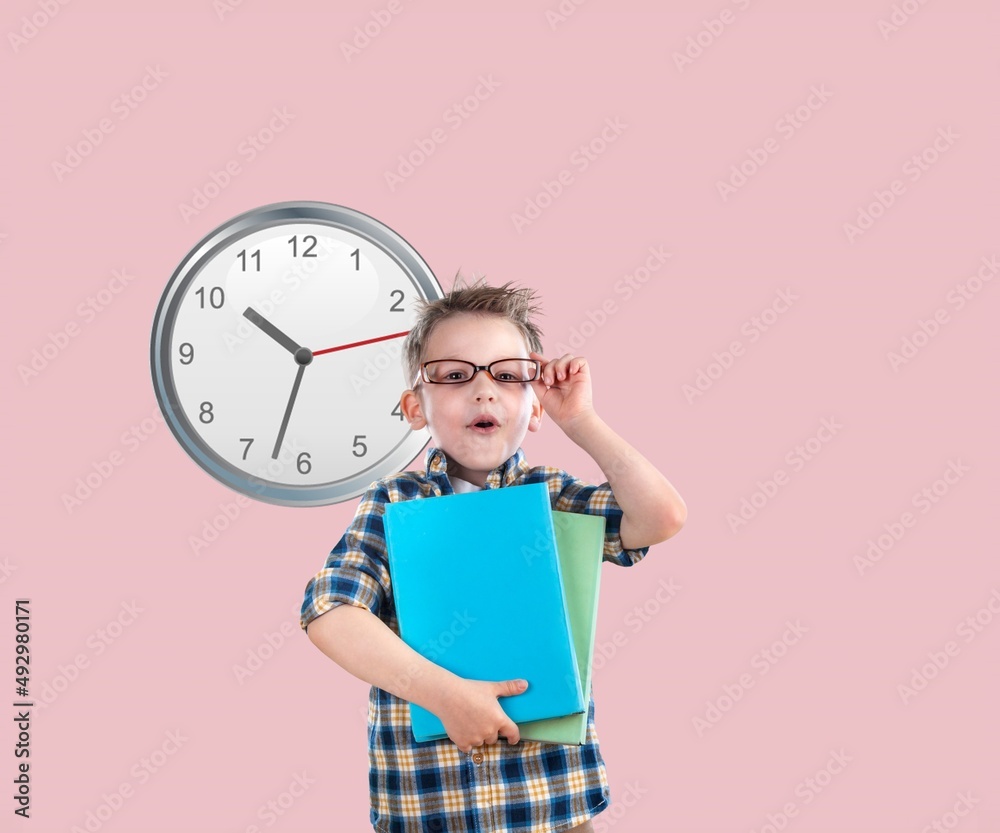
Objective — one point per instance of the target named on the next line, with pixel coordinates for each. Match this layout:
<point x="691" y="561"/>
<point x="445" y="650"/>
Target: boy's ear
<point x="536" y="415"/>
<point x="409" y="404"/>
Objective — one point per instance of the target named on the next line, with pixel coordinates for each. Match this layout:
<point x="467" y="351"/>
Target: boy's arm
<point x="652" y="510"/>
<point x="363" y="645"/>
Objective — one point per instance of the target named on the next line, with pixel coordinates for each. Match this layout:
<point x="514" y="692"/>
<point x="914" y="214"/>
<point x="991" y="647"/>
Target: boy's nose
<point x="483" y="385"/>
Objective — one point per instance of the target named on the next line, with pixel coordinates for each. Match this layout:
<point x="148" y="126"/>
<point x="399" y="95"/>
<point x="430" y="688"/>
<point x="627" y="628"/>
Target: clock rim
<point x="192" y="264"/>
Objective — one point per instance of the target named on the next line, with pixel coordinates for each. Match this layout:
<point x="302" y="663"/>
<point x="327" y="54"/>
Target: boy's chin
<point x="480" y="452"/>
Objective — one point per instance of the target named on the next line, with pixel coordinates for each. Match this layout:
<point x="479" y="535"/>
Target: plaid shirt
<point x="433" y="786"/>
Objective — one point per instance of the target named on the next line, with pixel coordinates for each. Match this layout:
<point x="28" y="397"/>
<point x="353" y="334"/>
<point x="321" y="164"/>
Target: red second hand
<point x="358" y="343"/>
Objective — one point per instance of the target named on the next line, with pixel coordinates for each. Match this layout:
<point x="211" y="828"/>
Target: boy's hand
<point x="472" y="716"/>
<point x="564" y="389"/>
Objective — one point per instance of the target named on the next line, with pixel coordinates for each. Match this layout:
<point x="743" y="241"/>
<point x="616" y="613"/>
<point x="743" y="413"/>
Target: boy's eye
<point x="456" y="374"/>
<point x="507" y="377"/>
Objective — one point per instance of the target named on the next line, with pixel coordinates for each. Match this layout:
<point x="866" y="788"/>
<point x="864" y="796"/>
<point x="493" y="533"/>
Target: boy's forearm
<point x="362" y="644"/>
<point x="652" y="510"/>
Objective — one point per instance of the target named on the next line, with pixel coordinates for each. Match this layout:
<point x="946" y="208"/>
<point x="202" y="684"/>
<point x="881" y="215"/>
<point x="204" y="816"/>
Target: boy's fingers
<point x="542" y="363"/>
<point x="563" y="367"/>
<point x="507" y="688"/>
<point x="510" y="731"/>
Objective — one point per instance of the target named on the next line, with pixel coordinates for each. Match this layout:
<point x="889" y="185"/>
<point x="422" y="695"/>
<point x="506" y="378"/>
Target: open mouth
<point x="484" y="426"/>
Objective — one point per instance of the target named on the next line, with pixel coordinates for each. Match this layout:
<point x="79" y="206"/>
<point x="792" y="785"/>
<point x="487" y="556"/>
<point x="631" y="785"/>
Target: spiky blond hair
<point x="513" y="305"/>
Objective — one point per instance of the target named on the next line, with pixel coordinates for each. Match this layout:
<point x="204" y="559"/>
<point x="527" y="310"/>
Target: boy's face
<point x="450" y="411"/>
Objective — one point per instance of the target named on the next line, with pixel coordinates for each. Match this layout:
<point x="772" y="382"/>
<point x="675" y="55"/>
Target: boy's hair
<point x="479" y="298"/>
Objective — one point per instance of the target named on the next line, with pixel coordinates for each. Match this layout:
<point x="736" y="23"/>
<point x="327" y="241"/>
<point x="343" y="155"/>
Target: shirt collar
<point x="506" y="474"/>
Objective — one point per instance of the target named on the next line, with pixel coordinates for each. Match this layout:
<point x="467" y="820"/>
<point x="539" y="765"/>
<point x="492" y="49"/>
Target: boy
<point x="478" y="414"/>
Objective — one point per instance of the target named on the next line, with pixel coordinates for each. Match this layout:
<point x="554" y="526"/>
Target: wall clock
<point x="276" y="352"/>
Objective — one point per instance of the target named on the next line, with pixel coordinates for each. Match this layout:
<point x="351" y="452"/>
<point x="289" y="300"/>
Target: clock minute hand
<point x="288" y="411"/>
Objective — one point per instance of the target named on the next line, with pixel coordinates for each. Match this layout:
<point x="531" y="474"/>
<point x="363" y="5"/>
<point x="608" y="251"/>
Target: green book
<point x="580" y="545"/>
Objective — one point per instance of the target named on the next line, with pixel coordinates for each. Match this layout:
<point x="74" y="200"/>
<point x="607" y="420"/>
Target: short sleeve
<point x="577" y="496"/>
<point x="356" y="571"/>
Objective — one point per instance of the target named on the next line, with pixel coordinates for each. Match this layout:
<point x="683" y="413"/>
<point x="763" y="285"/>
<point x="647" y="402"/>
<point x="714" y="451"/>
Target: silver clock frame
<point x="249" y="222"/>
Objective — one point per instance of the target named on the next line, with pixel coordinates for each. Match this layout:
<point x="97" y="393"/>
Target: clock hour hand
<point x="256" y="318"/>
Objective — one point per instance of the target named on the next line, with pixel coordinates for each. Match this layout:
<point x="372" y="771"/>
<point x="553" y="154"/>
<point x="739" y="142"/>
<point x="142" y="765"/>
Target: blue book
<point x="478" y="590"/>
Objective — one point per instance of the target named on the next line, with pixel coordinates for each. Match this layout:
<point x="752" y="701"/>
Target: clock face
<point x="277" y="352"/>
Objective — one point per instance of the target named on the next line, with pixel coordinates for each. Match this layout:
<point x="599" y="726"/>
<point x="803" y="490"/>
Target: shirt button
<point x="477" y="758"/>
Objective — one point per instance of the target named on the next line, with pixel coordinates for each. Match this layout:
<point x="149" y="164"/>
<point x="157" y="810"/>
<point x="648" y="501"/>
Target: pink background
<point x="824" y="357"/>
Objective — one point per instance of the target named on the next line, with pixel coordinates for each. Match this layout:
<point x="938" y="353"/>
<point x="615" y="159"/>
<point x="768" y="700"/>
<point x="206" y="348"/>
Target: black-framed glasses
<point x="457" y="372"/>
